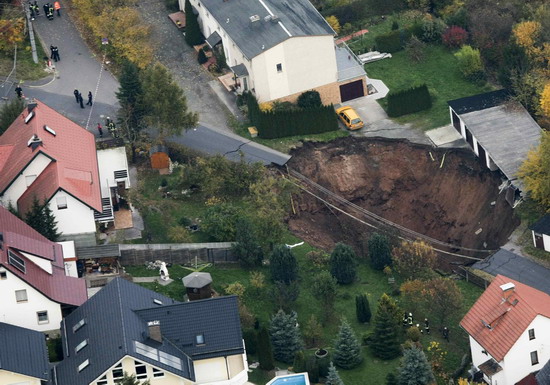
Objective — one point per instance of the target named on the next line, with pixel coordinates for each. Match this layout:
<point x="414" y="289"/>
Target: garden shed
<point x="197" y="285"/>
<point x="159" y="157"/>
<point x="541" y="233"/>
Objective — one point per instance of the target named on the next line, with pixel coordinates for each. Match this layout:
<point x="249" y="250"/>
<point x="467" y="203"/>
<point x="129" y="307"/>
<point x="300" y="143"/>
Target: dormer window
<point x="199" y="339"/>
<point x="29" y="117"/>
<point x="78" y="325"/>
<point x="81" y="346"/>
<point x="157" y="301"/>
<point x="83" y="365"/>
<point x="50" y="130"/>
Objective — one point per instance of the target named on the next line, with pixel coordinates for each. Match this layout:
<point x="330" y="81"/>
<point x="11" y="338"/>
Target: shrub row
<point x="408" y="101"/>
<point x="278" y="124"/>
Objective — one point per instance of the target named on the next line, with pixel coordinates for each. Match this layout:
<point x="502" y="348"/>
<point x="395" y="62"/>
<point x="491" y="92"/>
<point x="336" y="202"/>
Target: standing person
<point x="76" y="93"/>
<point x="57" y="7"/>
<point x="410" y="319"/>
<point x="405" y="319"/>
<point x="36" y="8"/>
<point x="52" y="50"/>
<point x="89" y="99"/>
<point x="100" y="129"/>
<point x="46" y="7"/>
<point x="80" y="100"/>
<point x="56" y="53"/>
<point x="19" y="91"/>
<point x="426" y="326"/>
<point x="31" y="8"/>
<point x="446" y="333"/>
<point x="50" y="12"/>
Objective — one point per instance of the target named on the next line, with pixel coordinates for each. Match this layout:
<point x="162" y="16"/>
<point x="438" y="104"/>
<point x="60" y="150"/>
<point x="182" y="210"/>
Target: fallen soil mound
<point x="449" y="198"/>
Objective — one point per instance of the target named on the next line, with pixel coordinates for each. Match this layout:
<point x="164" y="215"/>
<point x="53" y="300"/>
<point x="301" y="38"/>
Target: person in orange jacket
<point x="57" y="7"/>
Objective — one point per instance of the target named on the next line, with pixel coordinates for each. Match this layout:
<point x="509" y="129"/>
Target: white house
<point x="499" y="131"/>
<point x="540" y="232"/>
<point x="114" y="179"/>
<point x="127" y="328"/>
<point x="279" y="49"/>
<point x="45" y="156"/>
<point x="37" y="288"/>
<point x="509" y="329"/>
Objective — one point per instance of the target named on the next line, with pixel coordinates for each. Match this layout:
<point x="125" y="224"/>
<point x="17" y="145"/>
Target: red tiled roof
<point x="528" y="380"/>
<point x="72" y="149"/>
<point x="19" y="237"/>
<point x="507" y="321"/>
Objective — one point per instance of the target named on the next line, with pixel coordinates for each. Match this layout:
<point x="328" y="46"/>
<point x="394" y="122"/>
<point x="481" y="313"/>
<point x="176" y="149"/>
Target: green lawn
<point x="439" y="70"/>
<point x="374" y="283"/>
<point x="26" y="68"/>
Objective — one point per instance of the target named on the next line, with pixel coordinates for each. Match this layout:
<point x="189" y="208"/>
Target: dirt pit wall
<point x="449" y="198"/>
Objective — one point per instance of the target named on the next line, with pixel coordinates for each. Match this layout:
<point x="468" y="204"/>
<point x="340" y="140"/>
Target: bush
<point x="312" y="368"/>
<point x="413" y="334"/>
<point x="343" y="265"/>
<point x="408" y="101"/>
<point x="220" y="222"/>
<point x="309" y="99"/>
<point x="394" y="26"/>
<point x="389" y="42"/>
<point x="362" y="308"/>
<point x="299" y="365"/>
<point x="202" y="57"/>
<point x="415" y="49"/>
<point x="379" y="251"/>
<point x="469" y="63"/>
<point x="455" y="37"/>
<point x="432" y="28"/>
<point x="283" y="265"/>
<point x="319" y="259"/>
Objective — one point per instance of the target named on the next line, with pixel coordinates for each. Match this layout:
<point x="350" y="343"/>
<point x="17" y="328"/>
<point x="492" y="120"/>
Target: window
<point x="200" y="339"/>
<point x="118" y="373"/>
<point x="157" y="301"/>
<point x="81" y="346"/>
<point x="29" y="179"/>
<point x="61" y="203"/>
<point x="79" y="324"/>
<point x="157" y="373"/>
<point x="16" y="262"/>
<point x="534" y="358"/>
<point x="103" y="380"/>
<point x="21" y="296"/>
<point x="83" y="365"/>
<point x="3" y="274"/>
<point x="279" y="67"/>
<point x="158" y="355"/>
<point x="531" y="334"/>
<point x="141" y="370"/>
<point x="42" y="317"/>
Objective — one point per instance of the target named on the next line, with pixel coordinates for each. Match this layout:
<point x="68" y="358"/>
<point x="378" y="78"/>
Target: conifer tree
<point x="343" y="265"/>
<point x="283" y="265"/>
<point x="362" y="308"/>
<point x="386" y="339"/>
<point x="246" y="248"/>
<point x="50" y="224"/>
<point x="9" y="112"/>
<point x="193" y="35"/>
<point x="312" y="368"/>
<point x="391" y="379"/>
<point x="415" y="368"/>
<point x="285" y="336"/>
<point x="347" y="349"/>
<point x="41" y="218"/>
<point x="379" y="251"/>
<point x="265" y="354"/>
<point x="333" y="378"/>
<point x="299" y="365"/>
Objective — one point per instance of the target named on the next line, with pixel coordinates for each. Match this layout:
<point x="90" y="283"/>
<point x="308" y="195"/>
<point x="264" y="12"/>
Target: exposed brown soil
<point x="400" y="182"/>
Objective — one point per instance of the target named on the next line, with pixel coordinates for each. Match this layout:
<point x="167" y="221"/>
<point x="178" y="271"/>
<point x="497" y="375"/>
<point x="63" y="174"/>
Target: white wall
<point x="69" y="256"/>
<point x="10" y="378"/>
<point x="23" y="314"/>
<point x="109" y="161"/>
<point x="211" y="370"/>
<point x="77" y="218"/>
<point x="19" y="186"/>
<point x="44" y="264"/>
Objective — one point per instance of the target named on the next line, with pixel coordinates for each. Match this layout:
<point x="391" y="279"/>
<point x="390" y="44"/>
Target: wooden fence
<point x="182" y="254"/>
<point x="472" y="277"/>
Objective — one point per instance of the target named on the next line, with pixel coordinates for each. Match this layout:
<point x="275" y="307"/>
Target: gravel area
<point x="180" y="59"/>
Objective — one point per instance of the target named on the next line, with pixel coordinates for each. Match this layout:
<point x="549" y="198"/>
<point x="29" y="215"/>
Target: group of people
<point x="49" y="9"/>
<point x="80" y="99"/>
<point x="35" y="9"/>
<point x="408" y="322"/>
<point x="54" y="53"/>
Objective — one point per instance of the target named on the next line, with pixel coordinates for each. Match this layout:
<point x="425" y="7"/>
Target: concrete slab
<point x="228" y="99"/>
<point x="380" y="88"/>
<point x="446" y="136"/>
<point x="368" y="109"/>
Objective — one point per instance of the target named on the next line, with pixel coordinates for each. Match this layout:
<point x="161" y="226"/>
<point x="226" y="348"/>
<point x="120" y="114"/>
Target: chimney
<point x="507" y="290"/>
<point x="32" y="104"/>
<point x="154" y="331"/>
<point x="34" y="142"/>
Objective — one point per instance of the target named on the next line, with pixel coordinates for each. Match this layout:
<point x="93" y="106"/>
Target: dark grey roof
<point x="542" y="226"/>
<point x="294" y="18"/>
<point x="116" y="318"/>
<point x="23" y="351"/>
<point x="197" y="280"/>
<point x="543" y="376"/>
<point x="214" y="39"/>
<point x="479" y="102"/>
<point x="158" y="148"/>
<point x="240" y="70"/>
<point x="100" y="251"/>
<point x="507" y="132"/>
<point x="521" y="269"/>
<point x="348" y="64"/>
<point x="217" y="319"/>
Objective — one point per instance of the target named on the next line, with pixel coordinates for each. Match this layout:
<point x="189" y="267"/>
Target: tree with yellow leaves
<point x="334" y="23"/>
<point x="414" y="260"/>
<point x="535" y="172"/>
<point x="545" y="101"/>
<point x="11" y="32"/>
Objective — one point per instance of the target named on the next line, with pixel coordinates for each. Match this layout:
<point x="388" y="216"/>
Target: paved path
<point x="78" y="68"/>
<point x="181" y="60"/>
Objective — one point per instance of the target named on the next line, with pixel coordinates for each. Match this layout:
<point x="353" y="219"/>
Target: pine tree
<point x="265" y="354"/>
<point x="391" y="379"/>
<point x="41" y="218"/>
<point x="333" y="377"/>
<point x="285" y="336"/>
<point x="193" y="35"/>
<point x="299" y="365"/>
<point x="283" y="265"/>
<point x="347" y="349"/>
<point x="386" y="339"/>
<point x="9" y="112"/>
<point x="343" y="265"/>
<point x="312" y="368"/>
<point x="379" y="251"/>
<point x="246" y="248"/>
<point x="362" y="308"/>
<point x="415" y="368"/>
<point x="50" y="224"/>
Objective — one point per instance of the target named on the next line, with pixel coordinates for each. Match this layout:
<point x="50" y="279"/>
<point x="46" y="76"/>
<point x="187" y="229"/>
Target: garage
<point x="352" y="90"/>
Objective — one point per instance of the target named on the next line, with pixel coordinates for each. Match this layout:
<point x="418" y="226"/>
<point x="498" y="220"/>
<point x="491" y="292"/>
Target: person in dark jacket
<point x="80" y="100"/>
<point x="76" y="93"/>
<point x="89" y="103"/>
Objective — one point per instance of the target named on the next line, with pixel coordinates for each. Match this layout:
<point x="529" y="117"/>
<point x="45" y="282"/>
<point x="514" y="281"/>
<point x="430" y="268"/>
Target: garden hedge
<point x="278" y="124"/>
<point x="408" y="101"/>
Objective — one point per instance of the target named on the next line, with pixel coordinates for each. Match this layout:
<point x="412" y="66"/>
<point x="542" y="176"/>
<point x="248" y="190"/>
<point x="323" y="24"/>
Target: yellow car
<point x="350" y="118"/>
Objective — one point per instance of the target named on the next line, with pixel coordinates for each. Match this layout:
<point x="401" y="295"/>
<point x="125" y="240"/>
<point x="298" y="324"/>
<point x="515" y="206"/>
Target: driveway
<point x="181" y="60"/>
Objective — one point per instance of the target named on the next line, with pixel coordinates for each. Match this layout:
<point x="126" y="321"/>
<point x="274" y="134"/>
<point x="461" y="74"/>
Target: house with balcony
<point x="280" y="49"/>
<point x="127" y="328"/>
<point x="23" y="356"/>
<point x="509" y="331"/>
<point x="38" y="282"/>
<point x="46" y="156"/>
